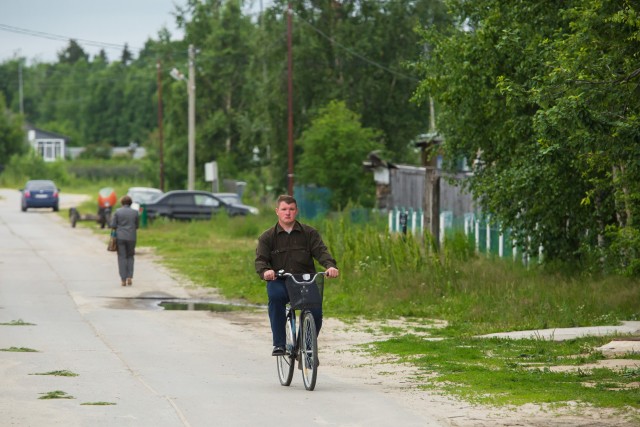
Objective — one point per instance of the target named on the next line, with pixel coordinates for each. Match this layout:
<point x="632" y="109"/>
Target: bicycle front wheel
<point x="287" y="362"/>
<point x="309" y="351"/>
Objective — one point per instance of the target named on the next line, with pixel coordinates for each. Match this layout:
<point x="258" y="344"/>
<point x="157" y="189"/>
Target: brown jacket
<point x="292" y="252"/>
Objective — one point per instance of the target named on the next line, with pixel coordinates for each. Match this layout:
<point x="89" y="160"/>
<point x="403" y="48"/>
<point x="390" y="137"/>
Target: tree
<point x="72" y="53"/>
<point x="334" y="146"/>
<point x="126" y="56"/>
<point x="356" y="51"/>
<point x="544" y="99"/>
<point x="12" y="137"/>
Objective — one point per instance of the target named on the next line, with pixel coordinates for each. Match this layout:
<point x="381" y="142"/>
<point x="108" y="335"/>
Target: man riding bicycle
<point x="290" y="246"/>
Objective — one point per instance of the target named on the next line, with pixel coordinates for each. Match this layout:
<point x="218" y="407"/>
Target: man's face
<point x="286" y="213"/>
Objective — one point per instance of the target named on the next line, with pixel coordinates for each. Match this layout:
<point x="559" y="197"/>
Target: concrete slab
<point x="563" y="334"/>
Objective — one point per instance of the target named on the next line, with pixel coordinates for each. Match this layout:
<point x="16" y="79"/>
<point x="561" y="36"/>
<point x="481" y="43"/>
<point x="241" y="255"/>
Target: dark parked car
<point x="186" y="204"/>
<point x="40" y="193"/>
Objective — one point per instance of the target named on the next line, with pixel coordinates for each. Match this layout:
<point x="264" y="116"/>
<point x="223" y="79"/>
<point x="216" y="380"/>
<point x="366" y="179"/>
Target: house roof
<point x="44" y="134"/>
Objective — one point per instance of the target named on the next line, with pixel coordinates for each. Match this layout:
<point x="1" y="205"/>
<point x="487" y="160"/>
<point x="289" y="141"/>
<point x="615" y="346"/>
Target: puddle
<point x="199" y="306"/>
<point x="161" y="301"/>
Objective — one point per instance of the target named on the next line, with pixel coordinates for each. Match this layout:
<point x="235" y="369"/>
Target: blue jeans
<point x="278" y="299"/>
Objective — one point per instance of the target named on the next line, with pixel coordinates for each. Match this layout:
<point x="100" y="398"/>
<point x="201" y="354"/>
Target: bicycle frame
<point x="302" y="344"/>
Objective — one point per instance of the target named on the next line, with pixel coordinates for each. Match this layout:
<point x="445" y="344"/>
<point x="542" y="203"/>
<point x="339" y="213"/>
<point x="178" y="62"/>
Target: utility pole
<point x="160" y="131"/>
<point x="432" y="184"/>
<point x="192" y="120"/>
<point x="20" y="86"/>
<point x="290" y="98"/>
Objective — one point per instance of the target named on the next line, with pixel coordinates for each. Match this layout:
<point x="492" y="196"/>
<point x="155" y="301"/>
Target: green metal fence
<point x="486" y="236"/>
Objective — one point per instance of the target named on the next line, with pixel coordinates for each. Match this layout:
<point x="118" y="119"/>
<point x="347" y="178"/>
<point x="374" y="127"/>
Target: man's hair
<point x="286" y="199"/>
<point x="126" y="201"/>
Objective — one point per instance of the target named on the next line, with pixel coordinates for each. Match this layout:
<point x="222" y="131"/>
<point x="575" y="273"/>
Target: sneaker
<point x="129" y="281"/>
<point x="124" y="283"/>
<point x="278" y="351"/>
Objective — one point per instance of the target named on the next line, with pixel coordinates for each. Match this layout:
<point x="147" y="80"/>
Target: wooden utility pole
<point x="432" y="193"/>
<point x="290" y="99"/>
<point x="160" y="131"/>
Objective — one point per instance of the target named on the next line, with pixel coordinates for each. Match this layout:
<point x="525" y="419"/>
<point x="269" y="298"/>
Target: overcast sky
<point x="113" y="22"/>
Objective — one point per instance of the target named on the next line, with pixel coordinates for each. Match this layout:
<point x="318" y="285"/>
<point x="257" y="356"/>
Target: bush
<point x="621" y="255"/>
<point x="22" y="168"/>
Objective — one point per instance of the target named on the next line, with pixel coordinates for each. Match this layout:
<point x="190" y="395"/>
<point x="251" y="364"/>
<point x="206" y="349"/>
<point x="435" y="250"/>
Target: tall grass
<point x="385" y="275"/>
<point x="393" y="275"/>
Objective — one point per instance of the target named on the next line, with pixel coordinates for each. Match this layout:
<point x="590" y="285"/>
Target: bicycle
<point x="305" y="292"/>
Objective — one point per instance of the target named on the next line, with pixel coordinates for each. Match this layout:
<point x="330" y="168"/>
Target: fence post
<point x="391" y="220"/>
<point x="413" y="221"/>
<point x="477" y="236"/>
<point x="488" y="245"/>
<point x="403" y="221"/>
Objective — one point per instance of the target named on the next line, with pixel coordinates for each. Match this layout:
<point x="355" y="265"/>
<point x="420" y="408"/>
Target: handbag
<point x="113" y="242"/>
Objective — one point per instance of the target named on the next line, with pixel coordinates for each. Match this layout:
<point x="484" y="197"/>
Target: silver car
<point x="143" y="195"/>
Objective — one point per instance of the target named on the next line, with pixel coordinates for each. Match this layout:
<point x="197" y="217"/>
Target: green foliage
<point x="73" y="53"/>
<point x="22" y="168"/>
<point x="18" y="322"/>
<point x="96" y="151"/>
<point x="357" y="52"/>
<point x="545" y="97"/>
<point x="515" y="372"/>
<point x="100" y="403"/>
<point x="19" y="350"/>
<point x="622" y="254"/>
<point x="61" y="373"/>
<point x="335" y="144"/>
<point x="391" y="275"/>
<point x="56" y="394"/>
<point x="12" y="140"/>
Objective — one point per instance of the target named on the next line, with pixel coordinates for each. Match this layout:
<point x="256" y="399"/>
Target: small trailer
<point x="106" y="200"/>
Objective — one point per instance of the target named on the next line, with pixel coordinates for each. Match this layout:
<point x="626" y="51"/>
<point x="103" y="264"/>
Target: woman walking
<point x="125" y="222"/>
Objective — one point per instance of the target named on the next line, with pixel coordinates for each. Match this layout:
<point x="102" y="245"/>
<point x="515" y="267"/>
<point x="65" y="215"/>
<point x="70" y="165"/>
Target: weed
<point x="19" y="349"/>
<point x="18" y="322"/>
<point x="97" y="403"/>
<point x="57" y="394"/>
<point x="63" y="373"/>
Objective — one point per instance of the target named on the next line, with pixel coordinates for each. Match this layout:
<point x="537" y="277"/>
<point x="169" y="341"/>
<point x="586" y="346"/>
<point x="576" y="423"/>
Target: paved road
<point x="158" y="368"/>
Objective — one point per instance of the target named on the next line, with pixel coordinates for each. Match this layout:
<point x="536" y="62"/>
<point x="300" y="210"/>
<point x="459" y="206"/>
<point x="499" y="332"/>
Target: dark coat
<point x="292" y="252"/>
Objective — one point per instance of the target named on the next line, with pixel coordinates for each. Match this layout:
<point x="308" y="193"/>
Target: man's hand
<point x="332" y="272"/>
<point x="269" y="275"/>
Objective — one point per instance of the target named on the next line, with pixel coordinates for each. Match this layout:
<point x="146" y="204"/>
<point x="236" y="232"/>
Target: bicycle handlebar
<point x="306" y="277"/>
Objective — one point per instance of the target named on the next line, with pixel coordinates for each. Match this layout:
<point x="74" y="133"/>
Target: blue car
<point x="40" y="193"/>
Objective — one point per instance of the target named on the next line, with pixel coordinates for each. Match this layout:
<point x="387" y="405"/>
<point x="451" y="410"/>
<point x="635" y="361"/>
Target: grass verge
<point x="515" y="372"/>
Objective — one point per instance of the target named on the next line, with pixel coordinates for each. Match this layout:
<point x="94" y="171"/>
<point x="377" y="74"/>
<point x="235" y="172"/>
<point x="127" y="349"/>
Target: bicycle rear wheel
<point x="309" y="351"/>
<point x="287" y="362"/>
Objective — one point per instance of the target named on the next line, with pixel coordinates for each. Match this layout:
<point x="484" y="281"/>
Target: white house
<point x="49" y="145"/>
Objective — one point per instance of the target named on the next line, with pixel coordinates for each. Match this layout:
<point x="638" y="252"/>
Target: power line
<point x="356" y="54"/>
<point x="50" y="36"/>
